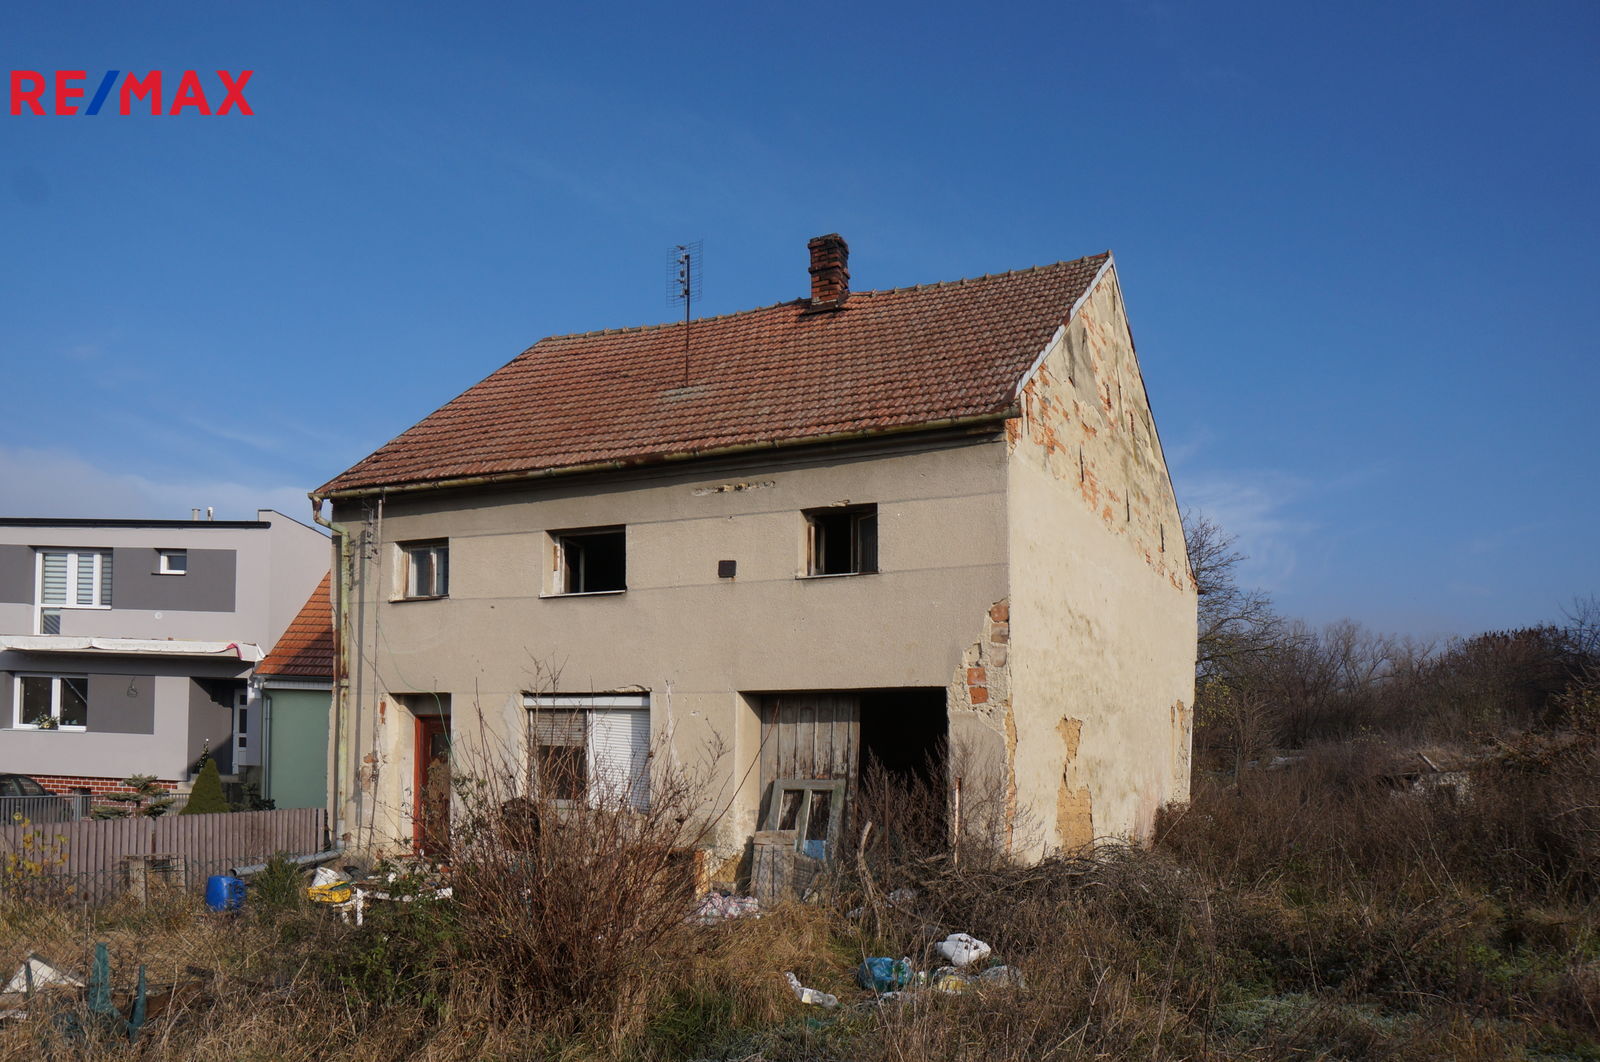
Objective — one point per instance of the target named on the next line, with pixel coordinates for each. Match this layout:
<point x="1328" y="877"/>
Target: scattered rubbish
<point x="1007" y="976"/>
<point x="949" y="979"/>
<point x="330" y="886"/>
<point x="810" y="995"/>
<point x="883" y="974"/>
<point x="721" y="906"/>
<point x="224" y="892"/>
<point x="34" y="974"/>
<point x="902" y="895"/>
<point x="103" y="1016"/>
<point x="962" y="950"/>
<point x="38" y="972"/>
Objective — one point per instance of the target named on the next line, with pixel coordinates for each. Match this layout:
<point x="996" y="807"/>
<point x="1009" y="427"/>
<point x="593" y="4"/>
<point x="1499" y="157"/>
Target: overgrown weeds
<point x="1334" y="908"/>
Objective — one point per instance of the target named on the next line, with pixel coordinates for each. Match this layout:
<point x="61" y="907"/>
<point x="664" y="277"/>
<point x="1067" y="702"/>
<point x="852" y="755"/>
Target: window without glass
<point x="843" y="540"/>
<point x="427" y="568"/>
<point x="812" y="808"/>
<point x="591" y="561"/>
<point x="52" y="702"/>
<point x="172" y="562"/>
<point x="592" y="748"/>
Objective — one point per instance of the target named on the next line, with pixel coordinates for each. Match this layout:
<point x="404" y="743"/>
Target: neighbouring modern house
<point x="293" y="685"/>
<point x="928" y="530"/>
<point x="126" y="645"/>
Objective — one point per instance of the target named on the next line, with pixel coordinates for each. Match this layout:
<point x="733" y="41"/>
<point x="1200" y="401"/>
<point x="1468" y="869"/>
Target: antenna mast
<point x="684" y="269"/>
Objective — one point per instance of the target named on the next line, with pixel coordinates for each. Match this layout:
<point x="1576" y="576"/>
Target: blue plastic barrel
<point x="224" y="893"/>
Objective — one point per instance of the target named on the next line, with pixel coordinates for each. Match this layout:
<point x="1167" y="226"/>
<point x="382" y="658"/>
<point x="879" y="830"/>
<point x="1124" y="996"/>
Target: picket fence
<point x="94" y="860"/>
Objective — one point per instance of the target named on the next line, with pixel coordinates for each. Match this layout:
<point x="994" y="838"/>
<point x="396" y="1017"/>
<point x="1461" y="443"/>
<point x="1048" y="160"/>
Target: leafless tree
<point x="1235" y="623"/>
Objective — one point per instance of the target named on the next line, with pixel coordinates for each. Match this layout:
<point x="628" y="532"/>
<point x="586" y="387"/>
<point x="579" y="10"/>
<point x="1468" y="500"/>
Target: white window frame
<point x="598" y="710"/>
<point x="75" y="556"/>
<point x="55" y="701"/>
<point x="407" y="569"/>
<point x="164" y="565"/>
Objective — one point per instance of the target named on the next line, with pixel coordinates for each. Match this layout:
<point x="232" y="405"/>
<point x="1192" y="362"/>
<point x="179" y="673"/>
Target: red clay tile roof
<point x="306" y="648"/>
<point x="888" y="360"/>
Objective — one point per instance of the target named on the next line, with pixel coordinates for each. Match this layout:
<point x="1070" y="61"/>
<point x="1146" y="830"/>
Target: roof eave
<point x="322" y="493"/>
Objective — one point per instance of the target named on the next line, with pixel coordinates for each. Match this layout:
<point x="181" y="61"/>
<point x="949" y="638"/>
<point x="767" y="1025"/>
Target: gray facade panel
<point x="16" y="574"/>
<point x="5" y="698"/>
<point x="208" y="586"/>
<point x="122" y="704"/>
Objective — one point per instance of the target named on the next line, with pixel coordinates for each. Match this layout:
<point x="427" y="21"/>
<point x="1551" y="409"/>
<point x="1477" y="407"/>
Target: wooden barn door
<point x="812" y="738"/>
<point x="810" y="735"/>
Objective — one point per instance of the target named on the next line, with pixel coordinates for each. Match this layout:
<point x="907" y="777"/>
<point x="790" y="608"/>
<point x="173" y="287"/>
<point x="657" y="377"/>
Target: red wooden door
<point x="431" y="818"/>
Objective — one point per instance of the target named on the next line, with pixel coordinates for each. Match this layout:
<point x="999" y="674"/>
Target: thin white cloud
<point x="54" y="483"/>
<point x="1252" y="507"/>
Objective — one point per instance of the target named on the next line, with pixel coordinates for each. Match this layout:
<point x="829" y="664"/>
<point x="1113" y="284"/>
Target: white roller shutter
<point x="619" y="753"/>
<point x="613" y="728"/>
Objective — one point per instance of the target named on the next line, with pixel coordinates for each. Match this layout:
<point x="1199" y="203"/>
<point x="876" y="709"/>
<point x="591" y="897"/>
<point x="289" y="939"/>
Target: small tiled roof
<point x="306" y="648"/>
<point x="885" y="361"/>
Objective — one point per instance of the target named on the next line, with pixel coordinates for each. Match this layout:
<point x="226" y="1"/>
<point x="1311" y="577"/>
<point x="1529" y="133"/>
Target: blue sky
<point x="1357" y="242"/>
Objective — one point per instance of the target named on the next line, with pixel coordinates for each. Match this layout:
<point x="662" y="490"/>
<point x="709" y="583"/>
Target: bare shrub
<point x="564" y="905"/>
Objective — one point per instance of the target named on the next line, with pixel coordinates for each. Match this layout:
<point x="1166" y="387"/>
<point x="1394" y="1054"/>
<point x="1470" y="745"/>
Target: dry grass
<point x="1318" y="913"/>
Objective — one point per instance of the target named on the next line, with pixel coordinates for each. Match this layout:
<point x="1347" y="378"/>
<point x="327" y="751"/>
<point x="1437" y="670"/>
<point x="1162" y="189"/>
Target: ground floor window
<point x="51" y="702"/>
<point x="591" y="747"/>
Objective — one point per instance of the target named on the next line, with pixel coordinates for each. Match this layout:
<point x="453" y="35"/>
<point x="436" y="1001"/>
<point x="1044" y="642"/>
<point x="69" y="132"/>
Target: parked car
<point x="22" y="798"/>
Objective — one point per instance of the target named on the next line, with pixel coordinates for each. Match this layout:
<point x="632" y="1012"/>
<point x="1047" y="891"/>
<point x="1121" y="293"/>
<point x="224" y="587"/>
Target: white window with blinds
<point x="591" y="747"/>
<point x="71" y="578"/>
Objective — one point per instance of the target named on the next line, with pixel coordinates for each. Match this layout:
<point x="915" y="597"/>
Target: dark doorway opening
<point x="902" y="786"/>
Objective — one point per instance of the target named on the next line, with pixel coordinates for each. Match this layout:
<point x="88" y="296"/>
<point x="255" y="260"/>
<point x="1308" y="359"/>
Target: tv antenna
<point x="685" y="267"/>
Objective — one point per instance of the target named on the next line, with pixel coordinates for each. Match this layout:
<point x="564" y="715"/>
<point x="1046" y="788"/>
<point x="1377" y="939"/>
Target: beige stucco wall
<point x="1101" y="624"/>
<point x="697" y="643"/>
<point x="1037" y="574"/>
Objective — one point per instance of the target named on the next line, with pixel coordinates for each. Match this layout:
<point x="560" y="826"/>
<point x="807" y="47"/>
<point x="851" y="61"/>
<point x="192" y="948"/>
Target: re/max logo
<point x="29" y="88"/>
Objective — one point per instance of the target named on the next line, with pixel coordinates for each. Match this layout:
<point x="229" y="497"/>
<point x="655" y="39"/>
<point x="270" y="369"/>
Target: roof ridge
<point x="669" y="324"/>
<point x="628" y="329"/>
<point x="986" y="276"/>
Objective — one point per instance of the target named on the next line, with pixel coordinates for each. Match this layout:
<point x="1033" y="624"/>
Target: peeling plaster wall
<point x="1102" y="605"/>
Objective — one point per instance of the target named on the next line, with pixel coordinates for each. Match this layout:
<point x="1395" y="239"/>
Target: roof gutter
<point x="317" y="498"/>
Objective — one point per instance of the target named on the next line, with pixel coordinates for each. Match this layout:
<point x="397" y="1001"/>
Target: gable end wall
<point x="1102" y="606"/>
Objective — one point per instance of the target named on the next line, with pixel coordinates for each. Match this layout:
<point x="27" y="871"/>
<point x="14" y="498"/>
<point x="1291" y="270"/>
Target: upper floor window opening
<point x="842" y="540"/>
<point x="172" y="562"/>
<point x="75" y="578"/>
<point x="425" y="569"/>
<point x="591" y="560"/>
<point x="70" y="578"/>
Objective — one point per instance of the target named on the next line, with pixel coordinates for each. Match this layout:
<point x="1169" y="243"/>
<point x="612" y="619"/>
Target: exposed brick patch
<point x="977" y="676"/>
<point x="978" y="694"/>
<point x="1001" y="635"/>
<point x="1000" y="612"/>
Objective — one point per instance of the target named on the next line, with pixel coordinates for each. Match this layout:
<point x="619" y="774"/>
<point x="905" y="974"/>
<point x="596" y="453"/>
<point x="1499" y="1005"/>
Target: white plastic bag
<point x="810" y="995"/>
<point x="958" y="949"/>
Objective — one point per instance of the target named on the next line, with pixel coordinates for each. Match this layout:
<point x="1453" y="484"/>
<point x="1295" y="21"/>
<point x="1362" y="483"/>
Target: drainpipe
<point x="344" y="587"/>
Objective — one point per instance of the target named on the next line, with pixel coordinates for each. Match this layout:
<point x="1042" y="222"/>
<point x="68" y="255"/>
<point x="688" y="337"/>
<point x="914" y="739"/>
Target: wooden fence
<point x="100" y="858"/>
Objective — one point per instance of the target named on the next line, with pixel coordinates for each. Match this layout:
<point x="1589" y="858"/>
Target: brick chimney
<point x="830" y="271"/>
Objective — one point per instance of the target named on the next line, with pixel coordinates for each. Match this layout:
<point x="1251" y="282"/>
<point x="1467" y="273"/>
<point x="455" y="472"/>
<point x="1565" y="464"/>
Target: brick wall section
<point x="67" y="785"/>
